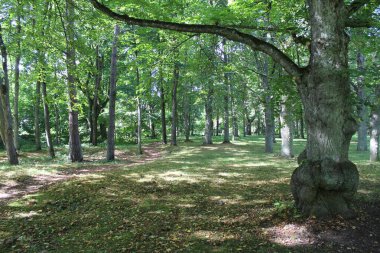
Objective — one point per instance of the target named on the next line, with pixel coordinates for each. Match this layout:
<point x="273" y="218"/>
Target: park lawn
<point x="194" y="198"/>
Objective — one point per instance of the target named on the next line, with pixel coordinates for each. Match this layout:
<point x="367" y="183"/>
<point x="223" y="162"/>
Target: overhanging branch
<point x="229" y="33"/>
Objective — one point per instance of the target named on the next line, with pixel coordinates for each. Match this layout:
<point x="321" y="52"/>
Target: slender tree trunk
<point x="286" y="130"/>
<point x="6" y="130"/>
<point x="269" y="118"/>
<point x="217" y="123"/>
<point x="375" y="129"/>
<point x="362" y="108"/>
<point x="234" y="119"/>
<point x="226" y="116"/>
<point x="95" y="113"/>
<point x="302" y="127"/>
<point x="57" y="125"/>
<point x="49" y="140"/>
<point x="112" y="101"/>
<point x="17" y="86"/>
<point x="326" y="181"/>
<point x="186" y="115"/>
<point x="37" y="131"/>
<point x="209" y="116"/>
<point x="139" y="127"/>
<point x="174" y="105"/>
<point x="163" y="113"/>
<point x="74" y="137"/>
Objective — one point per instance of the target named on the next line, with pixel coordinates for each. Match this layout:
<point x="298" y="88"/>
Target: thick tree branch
<point x="229" y="33"/>
<point x="355" y="6"/>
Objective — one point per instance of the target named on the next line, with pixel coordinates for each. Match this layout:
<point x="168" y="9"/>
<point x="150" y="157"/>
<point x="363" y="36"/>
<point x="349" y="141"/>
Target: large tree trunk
<point x="173" y="141"/>
<point x="375" y="129"/>
<point x="37" y="131"/>
<point x="75" y="153"/>
<point x="94" y="111"/>
<point x="208" y="117"/>
<point x="362" y="108"/>
<point x="324" y="184"/>
<point x="49" y="140"/>
<point x="6" y="130"/>
<point x="286" y="130"/>
<point x="112" y="101"/>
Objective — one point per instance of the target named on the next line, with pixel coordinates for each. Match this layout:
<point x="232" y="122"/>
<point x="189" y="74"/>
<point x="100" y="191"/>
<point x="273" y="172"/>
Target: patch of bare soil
<point x="24" y="185"/>
<point x="360" y="235"/>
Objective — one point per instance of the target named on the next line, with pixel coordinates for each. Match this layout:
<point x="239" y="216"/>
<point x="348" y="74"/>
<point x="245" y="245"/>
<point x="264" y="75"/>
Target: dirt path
<point x="25" y="185"/>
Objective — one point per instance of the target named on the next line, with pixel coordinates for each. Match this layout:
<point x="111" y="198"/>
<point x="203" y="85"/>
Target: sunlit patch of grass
<point x="217" y="198"/>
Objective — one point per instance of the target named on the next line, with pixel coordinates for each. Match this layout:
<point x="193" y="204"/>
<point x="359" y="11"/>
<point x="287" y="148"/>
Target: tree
<point x="75" y="153"/>
<point x="112" y="98"/>
<point x="6" y="131"/>
<point x="361" y="107"/>
<point x="173" y="141"/>
<point x="324" y="183"/>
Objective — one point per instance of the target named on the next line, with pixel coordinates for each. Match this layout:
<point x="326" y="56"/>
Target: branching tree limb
<point x="232" y="34"/>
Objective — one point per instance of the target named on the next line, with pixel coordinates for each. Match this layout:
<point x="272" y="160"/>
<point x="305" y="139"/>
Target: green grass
<point x="195" y="198"/>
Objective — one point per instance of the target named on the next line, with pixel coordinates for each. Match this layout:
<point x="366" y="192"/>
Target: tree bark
<point x="49" y="140"/>
<point x="186" y="116"/>
<point x="112" y="100"/>
<point x="95" y="113"/>
<point x="57" y="125"/>
<point x="362" y="108"/>
<point x="173" y="141"/>
<point x="163" y="113"/>
<point x="75" y="153"/>
<point x="286" y="130"/>
<point x="139" y="127"/>
<point x="209" y="116"/>
<point x="268" y="108"/>
<point x="17" y="85"/>
<point x="324" y="184"/>
<point x="226" y="97"/>
<point x="6" y="130"/>
<point x="37" y="131"/>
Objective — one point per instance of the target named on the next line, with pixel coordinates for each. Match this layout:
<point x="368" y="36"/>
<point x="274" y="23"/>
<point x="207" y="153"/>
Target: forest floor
<point x="190" y="198"/>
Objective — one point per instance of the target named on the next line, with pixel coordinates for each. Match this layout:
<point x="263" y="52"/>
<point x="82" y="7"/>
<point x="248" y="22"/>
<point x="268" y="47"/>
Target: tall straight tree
<point x="173" y="141"/>
<point x="6" y="130"/>
<point x="94" y="114"/>
<point x="163" y="107"/>
<point x="75" y="152"/>
<point x="112" y="98"/>
<point x="226" y="97"/>
<point x="326" y="181"/>
<point x="17" y="83"/>
<point x="361" y="107"/>
<point x="286" y="129"/>
<point x="49" y="140"/>
<point x="37" y="103"/>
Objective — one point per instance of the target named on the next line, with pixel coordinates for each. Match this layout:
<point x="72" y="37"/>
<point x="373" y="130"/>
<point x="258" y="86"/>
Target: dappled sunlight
<point x="219" y="200"/>
<point x="173" y="176"/>
<point x="290" y="235"/>
<point x="26" y="214"/>
<point x="230" y="174"/>
<point x="213" y="236"/>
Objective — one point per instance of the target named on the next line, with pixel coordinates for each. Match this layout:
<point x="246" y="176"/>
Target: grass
<point x="218" y="198"/>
